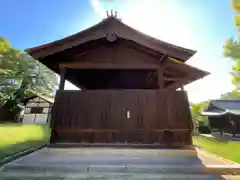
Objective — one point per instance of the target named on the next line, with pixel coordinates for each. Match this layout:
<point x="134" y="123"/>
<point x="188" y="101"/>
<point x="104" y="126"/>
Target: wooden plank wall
<point x="156" y="116"/>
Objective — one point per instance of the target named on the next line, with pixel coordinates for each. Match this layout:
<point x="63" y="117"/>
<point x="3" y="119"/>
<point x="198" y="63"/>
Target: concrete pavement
<point x="119" y="163"/>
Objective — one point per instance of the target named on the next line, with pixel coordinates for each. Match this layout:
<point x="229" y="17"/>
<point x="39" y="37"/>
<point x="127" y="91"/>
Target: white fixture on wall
<point x="128" y="114"/>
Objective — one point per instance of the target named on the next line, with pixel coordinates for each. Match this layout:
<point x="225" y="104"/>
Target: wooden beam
<point x="89" y="65"/>
<point x="153" y="74"/>
<point x="178" y="84"/>
<point x="182" y="87"/>
<point x="163" y="58"/>
<point x="172" y="78"/>
<point x="149" y="76"/>
<point x="174" y="85"/>
<point x="62" y="78"/>
<point x="162" y="62"/>
<point x="78" y="130"/>
<point x="160" y="78"/>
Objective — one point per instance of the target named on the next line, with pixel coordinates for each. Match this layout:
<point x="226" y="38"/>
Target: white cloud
<point x="98" y="8"/>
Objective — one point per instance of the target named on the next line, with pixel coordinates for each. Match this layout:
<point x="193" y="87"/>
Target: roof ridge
<point x="180" y="52"/>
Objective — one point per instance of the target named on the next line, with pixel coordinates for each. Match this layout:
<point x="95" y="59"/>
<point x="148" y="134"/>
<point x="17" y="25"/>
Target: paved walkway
<point x="118" y="163"/>
<point x="225" y="137"/>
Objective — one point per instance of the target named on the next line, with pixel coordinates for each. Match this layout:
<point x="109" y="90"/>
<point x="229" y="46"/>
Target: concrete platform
<point x="119" y="163"/>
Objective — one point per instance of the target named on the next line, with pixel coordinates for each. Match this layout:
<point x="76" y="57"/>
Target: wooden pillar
<point x="160" y="78"/>
<point x="62" y="78"/>
<point x="181" y="87"/>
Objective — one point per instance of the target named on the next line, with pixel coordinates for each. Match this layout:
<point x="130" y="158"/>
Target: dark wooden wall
<point x="156" y="116"/>
<point x="223" y="123"/>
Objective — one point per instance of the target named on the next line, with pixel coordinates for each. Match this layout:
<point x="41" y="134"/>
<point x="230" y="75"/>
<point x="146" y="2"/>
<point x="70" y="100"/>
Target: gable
<point x="118" y="53"/>
<point x="115" y="27"/>
<point x="38" y="99"/>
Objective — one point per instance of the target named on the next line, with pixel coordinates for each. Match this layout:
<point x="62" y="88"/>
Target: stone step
<point x="138" y="169"/>
<point x="107" y="176"/>
<point x="117" y="161"/>
<point x="122" y="151"/>
<point x="117" y="145"/>
<point x="102" y="157"/>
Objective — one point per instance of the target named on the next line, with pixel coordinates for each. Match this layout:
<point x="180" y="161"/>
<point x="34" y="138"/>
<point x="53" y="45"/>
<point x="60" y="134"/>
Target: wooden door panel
<point x="101" y="116"/>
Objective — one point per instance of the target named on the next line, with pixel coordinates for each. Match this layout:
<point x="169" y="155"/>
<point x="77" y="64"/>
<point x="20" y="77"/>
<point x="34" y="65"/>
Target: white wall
<point x="39" y="118"/>
<point x="35" y="118"/>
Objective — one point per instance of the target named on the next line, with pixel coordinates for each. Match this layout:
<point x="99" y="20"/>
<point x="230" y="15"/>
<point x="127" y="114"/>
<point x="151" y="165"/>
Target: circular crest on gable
<point x="111" y="37"/>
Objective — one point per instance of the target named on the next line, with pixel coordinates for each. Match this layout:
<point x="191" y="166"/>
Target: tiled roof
<point x="221" y="107"/>
<point x="227" y="104"/>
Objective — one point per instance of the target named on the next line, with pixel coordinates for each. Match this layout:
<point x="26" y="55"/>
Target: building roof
<point x="48" y="99"/>
<point x="222" y="107"/>
<point x="83" y="49"/>
<point x="121" y="30"/>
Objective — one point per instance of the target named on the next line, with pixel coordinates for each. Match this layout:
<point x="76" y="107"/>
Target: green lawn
<point x="226" y="149"/>
<point x="15" y="138"/>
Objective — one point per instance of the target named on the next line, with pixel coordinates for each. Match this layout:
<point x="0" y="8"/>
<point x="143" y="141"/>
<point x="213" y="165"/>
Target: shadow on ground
<point x="226" y="137"/>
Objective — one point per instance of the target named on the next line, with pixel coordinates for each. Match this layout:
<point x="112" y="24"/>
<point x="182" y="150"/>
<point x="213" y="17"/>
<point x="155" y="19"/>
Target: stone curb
<point x="215" y="155"/>
<point x="117" y="145"/>
<point x="164" y="170"/>
<point x="21" y="154"/>
<point x="108" y="176"/>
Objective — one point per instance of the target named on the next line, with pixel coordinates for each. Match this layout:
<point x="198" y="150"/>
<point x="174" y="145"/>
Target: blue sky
<point x="203" y="25"/>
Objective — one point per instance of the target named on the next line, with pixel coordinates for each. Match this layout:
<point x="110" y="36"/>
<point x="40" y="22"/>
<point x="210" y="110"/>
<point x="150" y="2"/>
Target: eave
<point x="116" y="27"/>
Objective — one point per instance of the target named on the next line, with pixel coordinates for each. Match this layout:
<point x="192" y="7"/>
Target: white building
<point x="37" y="110"/>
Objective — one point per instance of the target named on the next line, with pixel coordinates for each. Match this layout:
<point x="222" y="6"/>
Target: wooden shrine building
<point x="224" y="116"/>
<point x="128" y="83"/>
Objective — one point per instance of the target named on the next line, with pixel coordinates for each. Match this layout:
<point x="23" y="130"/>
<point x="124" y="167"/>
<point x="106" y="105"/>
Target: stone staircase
<point x="115" y="163"/>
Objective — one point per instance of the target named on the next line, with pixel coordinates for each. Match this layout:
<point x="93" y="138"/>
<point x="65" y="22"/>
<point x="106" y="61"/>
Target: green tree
<point x="236" y="6"/>
<point x="230" y="96"/>
<point x="20" y="77"/>
<point x="232" y="50"/>
<point x="196" y="110"/>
